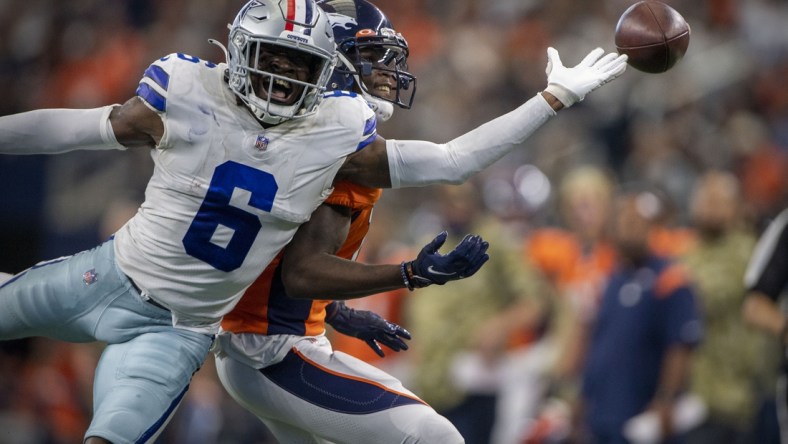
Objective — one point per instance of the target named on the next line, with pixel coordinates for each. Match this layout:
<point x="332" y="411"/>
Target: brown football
<point x="653" y="35"/>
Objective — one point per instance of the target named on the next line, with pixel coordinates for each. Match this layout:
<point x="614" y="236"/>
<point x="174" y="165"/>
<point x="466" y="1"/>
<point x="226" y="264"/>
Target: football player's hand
<point x="570" y="85"/>
<point x="367" y="326"/>
<point x="431" y="267"/>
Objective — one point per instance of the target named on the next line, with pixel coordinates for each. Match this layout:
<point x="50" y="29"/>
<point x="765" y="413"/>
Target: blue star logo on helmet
<point x="341" y="21"/>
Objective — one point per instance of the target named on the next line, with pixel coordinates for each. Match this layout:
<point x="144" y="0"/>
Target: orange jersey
<point x="561" y="257"/>
<point x="266" y="309"/>
<point x="671" y="242"/>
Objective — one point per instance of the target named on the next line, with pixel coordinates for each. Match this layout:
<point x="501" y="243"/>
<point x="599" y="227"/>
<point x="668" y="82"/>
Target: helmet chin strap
<point x="265" y="117"/>
<point x="383" y="109"/>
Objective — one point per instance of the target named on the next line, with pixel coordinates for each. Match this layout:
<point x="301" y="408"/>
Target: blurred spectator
<point x="669" y="237"/>
<point x="577" y="260"/>
<point x="642" y="339"/>
<point x="462" y="335"/>
<point x="732" y="388"/>
<point x="48" y="392"/>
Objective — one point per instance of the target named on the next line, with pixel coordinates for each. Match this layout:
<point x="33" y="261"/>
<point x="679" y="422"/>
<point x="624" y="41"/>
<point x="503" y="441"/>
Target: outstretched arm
<point x="400" y="163"/>
<point x="53" y="131"/>
<point x="310" y="269"/>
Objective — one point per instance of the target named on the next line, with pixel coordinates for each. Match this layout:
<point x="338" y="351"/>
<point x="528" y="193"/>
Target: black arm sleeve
<point x="767" y="271"/>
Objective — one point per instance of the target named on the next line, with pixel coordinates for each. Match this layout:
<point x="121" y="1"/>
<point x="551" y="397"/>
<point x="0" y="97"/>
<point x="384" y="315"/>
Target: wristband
<point x="404" y="275"/>
<point x="414" y="280"/>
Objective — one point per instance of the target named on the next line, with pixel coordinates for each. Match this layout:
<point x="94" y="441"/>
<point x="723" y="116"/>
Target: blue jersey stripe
<point x="370" y="125"/>
<point x="330" y="390"/>
<point x="150" y="95"/>
<point x="363" y="144"/>
<point x="158" y="75"/>
<point x="370" y="133"/>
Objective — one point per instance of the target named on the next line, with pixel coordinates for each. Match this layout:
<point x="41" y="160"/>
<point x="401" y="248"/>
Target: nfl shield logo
<point x="89" y="276"/>
<point x="261" y="144"/>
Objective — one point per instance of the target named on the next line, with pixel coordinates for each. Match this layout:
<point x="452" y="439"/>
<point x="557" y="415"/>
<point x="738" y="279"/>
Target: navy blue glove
<point x="431" y="267"/>
<point x="367" y="326"/>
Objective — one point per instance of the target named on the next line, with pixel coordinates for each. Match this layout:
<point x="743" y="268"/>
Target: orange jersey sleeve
<point x="354" y="196"/>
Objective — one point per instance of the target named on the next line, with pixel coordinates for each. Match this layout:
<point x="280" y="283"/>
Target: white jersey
<point x="226" y="194"/>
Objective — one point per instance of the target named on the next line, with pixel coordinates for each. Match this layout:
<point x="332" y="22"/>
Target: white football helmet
<point x="291" y="28"/>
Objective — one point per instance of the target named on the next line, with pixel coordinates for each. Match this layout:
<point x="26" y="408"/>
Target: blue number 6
<point x="216" y="210"/>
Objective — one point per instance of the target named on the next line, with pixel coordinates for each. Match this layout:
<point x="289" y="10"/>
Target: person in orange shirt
<point x="577" y="260"/>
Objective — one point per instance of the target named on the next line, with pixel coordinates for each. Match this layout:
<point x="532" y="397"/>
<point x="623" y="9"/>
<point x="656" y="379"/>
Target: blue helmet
<point x="359" y="26"/>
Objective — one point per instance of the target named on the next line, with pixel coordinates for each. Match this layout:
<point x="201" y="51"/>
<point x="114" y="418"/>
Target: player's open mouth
<point x="383" y="90"/>
<point x="282" y="92"/>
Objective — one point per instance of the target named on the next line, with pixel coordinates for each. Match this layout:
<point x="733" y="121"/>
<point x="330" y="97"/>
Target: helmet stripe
<point x="308" y="12"/>
<point x="291" y="11"/>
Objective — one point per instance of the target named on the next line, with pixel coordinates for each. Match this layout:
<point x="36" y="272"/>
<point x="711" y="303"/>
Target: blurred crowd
<point x="511" y="355"/>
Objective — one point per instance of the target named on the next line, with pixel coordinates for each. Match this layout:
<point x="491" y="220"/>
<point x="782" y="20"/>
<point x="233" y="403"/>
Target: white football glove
<point x="570" y="85"/>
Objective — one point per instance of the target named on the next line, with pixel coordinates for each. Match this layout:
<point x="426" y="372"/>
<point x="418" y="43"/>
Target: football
<point x="653" y="35"/>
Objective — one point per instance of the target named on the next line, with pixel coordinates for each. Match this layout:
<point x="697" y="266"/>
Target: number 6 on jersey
<point x="216" y="210"/>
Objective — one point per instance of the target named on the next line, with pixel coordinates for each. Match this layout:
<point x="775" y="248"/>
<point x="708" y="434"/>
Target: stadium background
<point x="725" y="106"/>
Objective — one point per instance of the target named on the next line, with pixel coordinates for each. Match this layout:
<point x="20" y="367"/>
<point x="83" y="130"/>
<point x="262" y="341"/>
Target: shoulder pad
<point x="349" y="110"/>
<point x="155" y="81"/>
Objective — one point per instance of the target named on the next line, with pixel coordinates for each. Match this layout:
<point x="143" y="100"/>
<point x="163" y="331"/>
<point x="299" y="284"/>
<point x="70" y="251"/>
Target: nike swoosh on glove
<point x="431" y="267"/>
